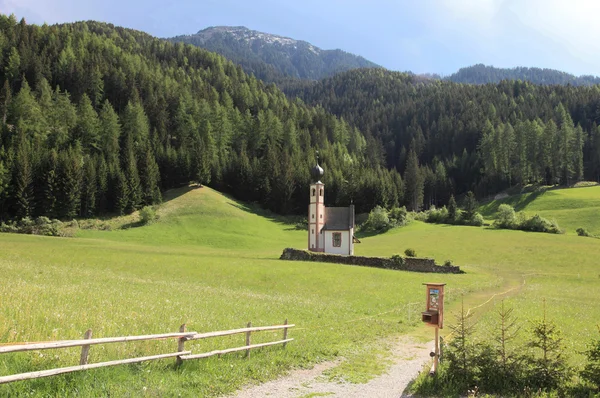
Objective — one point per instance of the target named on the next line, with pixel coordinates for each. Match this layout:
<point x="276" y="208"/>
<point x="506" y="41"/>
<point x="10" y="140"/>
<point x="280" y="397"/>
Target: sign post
<point x="434" y="316"/>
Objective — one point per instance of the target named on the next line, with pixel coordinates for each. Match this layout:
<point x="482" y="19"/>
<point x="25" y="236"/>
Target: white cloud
<point x="572" y="23"/>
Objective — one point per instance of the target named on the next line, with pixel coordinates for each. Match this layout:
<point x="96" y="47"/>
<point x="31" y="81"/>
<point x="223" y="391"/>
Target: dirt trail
<point x="408" y="359"/>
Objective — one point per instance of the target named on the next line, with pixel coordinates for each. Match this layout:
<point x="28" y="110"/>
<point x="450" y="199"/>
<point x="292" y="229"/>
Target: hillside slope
<point x="100" y="119"/>
<point x="270" y="57"/>
<point x="572" y="208"/>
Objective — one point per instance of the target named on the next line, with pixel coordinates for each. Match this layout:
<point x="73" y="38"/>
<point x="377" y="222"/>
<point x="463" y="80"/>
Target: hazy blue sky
<point x="437" y="36"/>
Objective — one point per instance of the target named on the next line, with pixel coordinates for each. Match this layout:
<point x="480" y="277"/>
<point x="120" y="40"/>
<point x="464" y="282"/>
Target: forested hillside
<point x="96" y="118"/>
<point x="483" y="138"/>
<point x="273" y="58"/>
<point x="482" y="74"/>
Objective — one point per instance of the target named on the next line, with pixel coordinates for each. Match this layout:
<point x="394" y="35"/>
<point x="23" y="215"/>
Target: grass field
<point x="212" y="263"/>
<point x="572" y="208"/>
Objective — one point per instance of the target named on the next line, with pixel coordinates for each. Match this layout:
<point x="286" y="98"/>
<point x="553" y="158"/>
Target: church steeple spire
<point x="316" y="172"/>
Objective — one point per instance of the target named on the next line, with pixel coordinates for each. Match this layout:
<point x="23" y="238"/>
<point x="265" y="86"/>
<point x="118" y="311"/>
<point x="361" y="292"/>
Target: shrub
<point x="437" y="216"/>
<point x="40" y="226"/>
<point x="540" y="224"/>
<point x="506" y="217"/>
<point x="302" y="225"/>
<point x="399" y="215"/>
<point x="448" y="263"/>
<point x="410" y="252"/>
<point x="398" y="260"/>
<point x="476" y="220"/>
<point x="378" y="220"/>
<point x="421" y="216"/>
<point x="147" y="215"/>
<point x="582" y="232"/>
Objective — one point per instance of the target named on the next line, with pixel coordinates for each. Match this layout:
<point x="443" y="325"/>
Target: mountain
<point x="98" y="119"/>
<point x="483" y="74"/>
<point x="271" y="57"/>
<point x="483" y="138"/>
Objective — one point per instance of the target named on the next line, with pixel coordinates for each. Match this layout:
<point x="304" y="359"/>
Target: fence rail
<point x="181" y="354"/>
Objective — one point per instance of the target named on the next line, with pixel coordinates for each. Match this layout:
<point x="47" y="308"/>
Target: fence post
<point x="85" y="349"/>
<point x="285" y="332"/>
<point x="180" y="344"/>
<point x="248" y="340"/>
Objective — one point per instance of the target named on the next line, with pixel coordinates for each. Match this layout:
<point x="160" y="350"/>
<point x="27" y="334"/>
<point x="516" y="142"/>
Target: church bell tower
<point x="316" y="210"/>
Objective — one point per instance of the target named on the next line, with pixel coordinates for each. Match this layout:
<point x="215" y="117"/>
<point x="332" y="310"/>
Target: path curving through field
<point x="408" y="358"/>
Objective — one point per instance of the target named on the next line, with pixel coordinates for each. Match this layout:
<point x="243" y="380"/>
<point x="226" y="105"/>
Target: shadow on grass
<point x="174" y="193"/>
<point x="134" y="224"/>
<point x="256" y="209"/>
<point x="371" y="233"/>
<point x="518" y="202"/>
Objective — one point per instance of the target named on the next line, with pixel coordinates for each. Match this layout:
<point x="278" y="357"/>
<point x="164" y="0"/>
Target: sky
<point x="422" y="36"/>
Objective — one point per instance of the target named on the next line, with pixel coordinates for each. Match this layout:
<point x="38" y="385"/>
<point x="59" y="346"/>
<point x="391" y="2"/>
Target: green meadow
<point x="212" y="263"/>
<point x="572" y="208"/>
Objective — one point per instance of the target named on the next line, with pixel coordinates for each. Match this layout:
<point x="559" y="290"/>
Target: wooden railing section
<point x="182" y="337"/>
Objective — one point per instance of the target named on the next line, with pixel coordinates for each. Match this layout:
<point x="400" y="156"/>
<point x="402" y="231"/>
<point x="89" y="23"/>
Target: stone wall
<point x="414" y="264"/>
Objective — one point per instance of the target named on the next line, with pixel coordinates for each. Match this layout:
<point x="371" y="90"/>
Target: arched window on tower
<point x="314" y="192"/>
<point x="321" y="192"/>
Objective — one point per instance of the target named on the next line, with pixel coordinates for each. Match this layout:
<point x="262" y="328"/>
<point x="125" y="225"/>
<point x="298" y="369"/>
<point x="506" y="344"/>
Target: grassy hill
<point x="209" y="262"/>
<point x="212" y="263"/>
<point x="572" y="208"/>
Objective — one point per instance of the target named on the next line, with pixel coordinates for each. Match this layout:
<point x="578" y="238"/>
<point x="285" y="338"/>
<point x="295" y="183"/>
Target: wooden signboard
<point x="434" y="315"/>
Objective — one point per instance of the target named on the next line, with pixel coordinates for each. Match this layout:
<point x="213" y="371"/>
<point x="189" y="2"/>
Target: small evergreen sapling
<point x="591" y="371"/>
<point x="549" y="369"/>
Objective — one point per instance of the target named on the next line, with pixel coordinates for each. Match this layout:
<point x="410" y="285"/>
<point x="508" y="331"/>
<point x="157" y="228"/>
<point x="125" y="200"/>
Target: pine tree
<point x="470" y="205"/>
<point x="51" y="187"/>
<point x="13" y="66"/>
<point x="89" y="188"/>
<point x="22" y="178"/>
<point x="452" y="209"/>
<point x="110" y="130"/>
<point x="70" y="181"/>
<point x="150" y="180"/>
<point x="62" y="119"/>
<point x="121" y="189"/>
<point x="413" y="182"/>
<point x="5" y="100"/>
<point x="102" y="172"/>
<point x="88" y="125"/>
<point x="27" y="114"/>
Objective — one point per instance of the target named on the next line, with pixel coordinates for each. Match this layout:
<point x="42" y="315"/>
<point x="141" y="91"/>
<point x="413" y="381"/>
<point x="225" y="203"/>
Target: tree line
<point x="464" y="137"/>
<point x="100" y="119"/>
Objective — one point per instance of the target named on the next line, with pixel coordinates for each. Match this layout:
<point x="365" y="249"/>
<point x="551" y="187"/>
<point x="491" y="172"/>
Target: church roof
<point x="339" y="218"/>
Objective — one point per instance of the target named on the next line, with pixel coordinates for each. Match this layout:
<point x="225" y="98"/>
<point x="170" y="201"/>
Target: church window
<point x="337" y="239"/>
<point x="321" y="193"/>
<point x="321" y="215"/>
<point x="314" y="192"/>
<point x="312" y="231"/>
<point x="313" y="216"/>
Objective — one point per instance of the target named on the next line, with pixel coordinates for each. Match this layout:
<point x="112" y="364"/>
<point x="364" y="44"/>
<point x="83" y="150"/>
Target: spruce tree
<point x="150" y="179"/>
<point x="51" y="186"/>
<point x="22" y="178"/>
<point x="89" y="188"/>
<point x="413" y="182"/>
<point x="70" y="181"/>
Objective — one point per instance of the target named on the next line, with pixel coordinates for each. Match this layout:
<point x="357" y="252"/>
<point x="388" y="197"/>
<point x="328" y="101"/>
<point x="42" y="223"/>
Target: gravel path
<point x="408" y="358"/>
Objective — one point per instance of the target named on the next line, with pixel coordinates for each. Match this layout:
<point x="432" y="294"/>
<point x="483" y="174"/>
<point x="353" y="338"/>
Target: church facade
<point x="330" y="229"/>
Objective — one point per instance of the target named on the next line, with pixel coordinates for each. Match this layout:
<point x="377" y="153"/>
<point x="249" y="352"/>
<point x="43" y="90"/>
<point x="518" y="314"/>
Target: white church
<point x="330" y="229"/>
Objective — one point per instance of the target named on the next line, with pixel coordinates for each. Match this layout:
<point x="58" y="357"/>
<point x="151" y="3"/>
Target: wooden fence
<point x="181" y="354"/>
